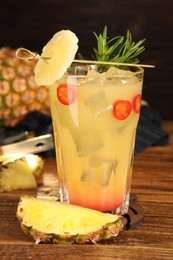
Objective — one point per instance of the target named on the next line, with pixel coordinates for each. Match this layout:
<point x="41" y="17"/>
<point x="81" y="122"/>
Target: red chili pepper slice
<point x="122" y="109"/>
<point x="66" y="93"/>
<point x="137" y="103"/>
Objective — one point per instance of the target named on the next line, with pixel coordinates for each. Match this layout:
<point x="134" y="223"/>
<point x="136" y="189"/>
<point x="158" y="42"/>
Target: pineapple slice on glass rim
<point x="57" y="55"/>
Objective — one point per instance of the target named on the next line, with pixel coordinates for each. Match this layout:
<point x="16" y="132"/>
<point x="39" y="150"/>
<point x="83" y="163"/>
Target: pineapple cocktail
<point x="95" y="109"/>
<point x="95" y="116"/>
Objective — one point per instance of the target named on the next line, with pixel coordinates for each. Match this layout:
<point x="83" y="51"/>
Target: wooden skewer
<point x="35" y="56"/>
<point x="114" y="63"/>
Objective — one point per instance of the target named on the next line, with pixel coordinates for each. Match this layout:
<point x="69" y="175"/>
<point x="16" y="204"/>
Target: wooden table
<point x="152" y="239"/>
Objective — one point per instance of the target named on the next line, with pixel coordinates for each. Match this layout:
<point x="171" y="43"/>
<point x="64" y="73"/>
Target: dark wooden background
<point x="31" y="23"/>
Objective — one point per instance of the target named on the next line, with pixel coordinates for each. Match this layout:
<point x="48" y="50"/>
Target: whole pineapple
<point x="19" y="93"/>
<point x="49" y="221"/>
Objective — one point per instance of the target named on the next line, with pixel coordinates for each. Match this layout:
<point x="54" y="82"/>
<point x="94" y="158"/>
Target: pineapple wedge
<point x="19" y="171"/>
<point x="56" y="57"/>
<point x="49" y="221"/>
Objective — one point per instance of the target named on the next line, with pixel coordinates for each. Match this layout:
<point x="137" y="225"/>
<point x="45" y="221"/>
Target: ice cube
<point x="66" y="114"/>
<point x="99" y="170"/>
<point x="119" y="76"/>
<point x="91" y="77"/>
<point x="87" y="141"/>
<point x="97" y="103"/>
<point x="117" y="72"/>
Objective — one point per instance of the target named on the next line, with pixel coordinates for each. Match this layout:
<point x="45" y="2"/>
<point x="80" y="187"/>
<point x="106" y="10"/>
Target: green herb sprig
<point x="118" y="49"/>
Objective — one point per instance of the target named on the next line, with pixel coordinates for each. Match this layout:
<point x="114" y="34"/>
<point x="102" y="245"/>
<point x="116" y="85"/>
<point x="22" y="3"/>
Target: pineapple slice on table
<point x="49" y="221"/>
<point x="19" y="171"/>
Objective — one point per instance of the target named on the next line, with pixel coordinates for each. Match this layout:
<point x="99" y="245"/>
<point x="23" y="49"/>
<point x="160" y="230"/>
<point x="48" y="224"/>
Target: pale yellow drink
<point x="95" y="118"/>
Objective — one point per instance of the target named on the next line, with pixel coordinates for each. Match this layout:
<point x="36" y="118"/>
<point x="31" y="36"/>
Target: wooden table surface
<point x="152" y="239"/>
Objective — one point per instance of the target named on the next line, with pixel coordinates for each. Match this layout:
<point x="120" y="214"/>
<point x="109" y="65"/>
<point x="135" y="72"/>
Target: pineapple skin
<point x="106" y="231"/>
<point x="19" y="92"/>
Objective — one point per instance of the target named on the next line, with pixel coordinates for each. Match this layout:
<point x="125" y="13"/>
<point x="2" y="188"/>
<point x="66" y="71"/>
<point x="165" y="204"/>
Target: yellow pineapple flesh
<point x="19" y="93"/>
<point x="59" y="52"/>
<point x="20" y="171"/>
<point x="49" y="221"/>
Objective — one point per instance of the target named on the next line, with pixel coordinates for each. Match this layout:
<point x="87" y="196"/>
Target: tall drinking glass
<point x="95" y="117"/>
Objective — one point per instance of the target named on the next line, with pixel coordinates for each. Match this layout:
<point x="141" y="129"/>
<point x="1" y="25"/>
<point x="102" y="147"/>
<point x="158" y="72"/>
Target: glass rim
<point x="139" y="70"/>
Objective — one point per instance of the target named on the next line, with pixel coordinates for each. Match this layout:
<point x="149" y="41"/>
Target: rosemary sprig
<point x="118" y="49"/>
